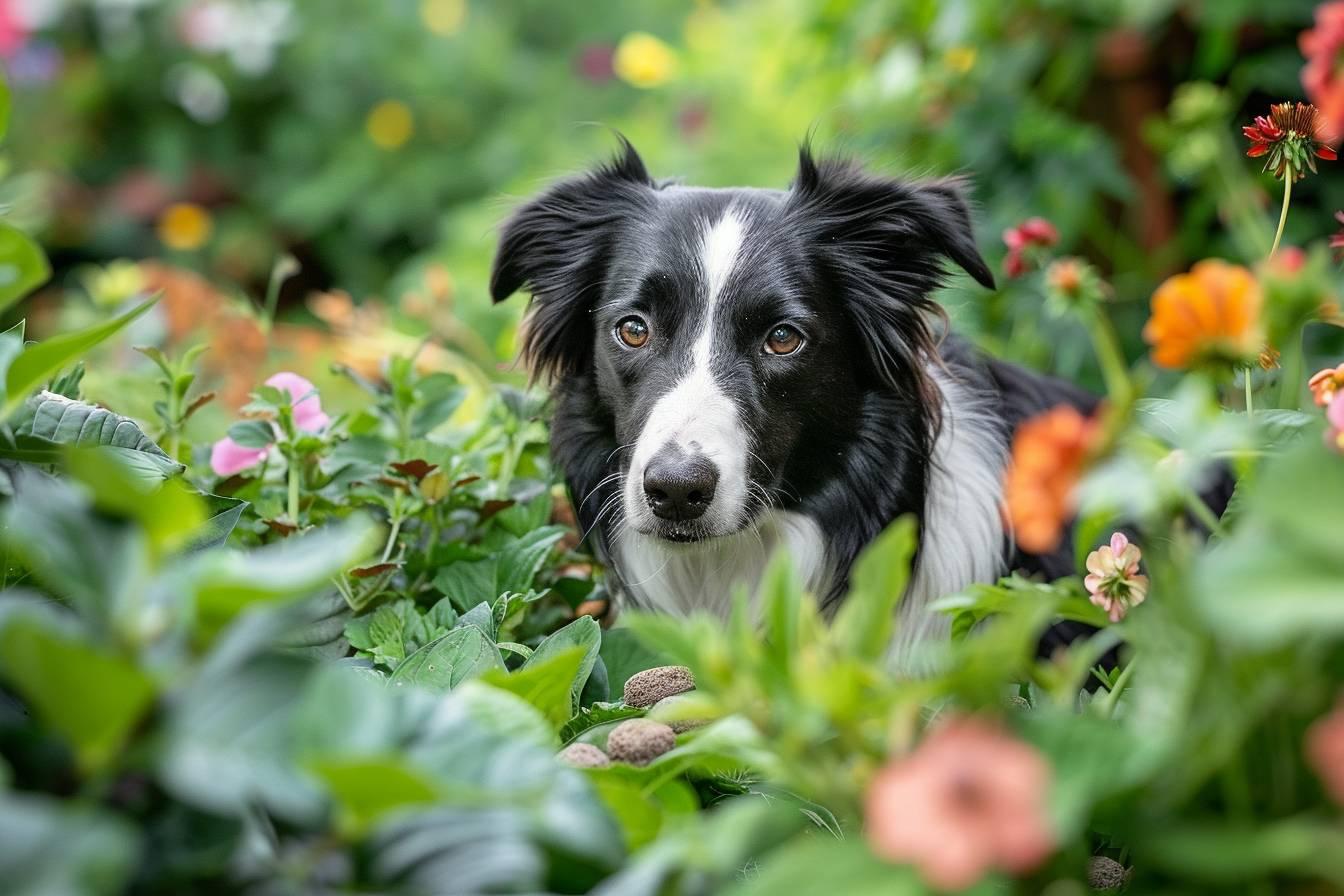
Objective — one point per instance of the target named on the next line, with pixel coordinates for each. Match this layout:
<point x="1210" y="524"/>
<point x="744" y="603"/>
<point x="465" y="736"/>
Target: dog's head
<point x="730" y="335"/>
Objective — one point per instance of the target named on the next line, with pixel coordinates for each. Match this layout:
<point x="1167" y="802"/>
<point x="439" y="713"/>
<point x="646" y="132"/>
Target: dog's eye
<point x="633" y="332"/>
<point x="783" y="340"/>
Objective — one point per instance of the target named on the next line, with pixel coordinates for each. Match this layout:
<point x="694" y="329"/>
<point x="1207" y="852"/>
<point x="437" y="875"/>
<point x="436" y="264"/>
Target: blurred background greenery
<point x="380" y="144"/>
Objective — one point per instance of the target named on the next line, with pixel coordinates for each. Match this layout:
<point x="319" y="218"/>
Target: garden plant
<point x="344" y="637"/>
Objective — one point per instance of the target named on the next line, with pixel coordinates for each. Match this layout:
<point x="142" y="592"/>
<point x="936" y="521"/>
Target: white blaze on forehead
<point x="696" y="415"/>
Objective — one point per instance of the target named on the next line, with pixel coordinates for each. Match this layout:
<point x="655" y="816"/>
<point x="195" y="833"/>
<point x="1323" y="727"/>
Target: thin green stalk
<point x="293" y="475"/>
<point x="1112" y="359"/>
<point x="1250" y="402"/>
<point x="1283" y="212"/>
<point x="1202" y="513"/>
<point x="1112" y="698"/>
<point x="396" y="528"/>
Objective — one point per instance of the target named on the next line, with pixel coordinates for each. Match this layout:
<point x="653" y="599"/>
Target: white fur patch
<point x="963" y="533"/>
<point x="695" y="415"/>
<point x="678" y="578"/>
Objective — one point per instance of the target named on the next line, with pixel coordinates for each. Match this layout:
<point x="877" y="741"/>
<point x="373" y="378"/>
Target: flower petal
<point x="1335" y="413"/>
<point x="227" y="457"/>
<point x="308" y="413"/>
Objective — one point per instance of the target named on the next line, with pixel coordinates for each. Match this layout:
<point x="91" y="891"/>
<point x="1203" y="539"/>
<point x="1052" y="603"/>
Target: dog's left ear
<point x="557" y="246"/>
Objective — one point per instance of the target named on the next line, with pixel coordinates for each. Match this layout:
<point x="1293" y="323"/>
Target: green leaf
<point x="864" y="624"/>
<point x="439" y="395"/>
<point x="49" y="847"/>
<point x="222" y="514"/>
<point x="596" y="716"/>
<point x="90" y="697"/>
<point x="224" y="583"/>
<point x="547" y="685"/>
<point x="624" y="653"/>
<point x="167" y="511"/>
<point x="641" y="811"/>
<point x="23" y="266"/>
<point x="583" y="633"/>
<point x="820" y="863"/>
<point x="368" y="788"/>
<point x="462" y="654"/>
<point x="5" y="103"/>
<point x="521" y="560"/>
<point x="252" y="433"/>
<point x="1233" y="853"/>
<point x="37" y="362"/>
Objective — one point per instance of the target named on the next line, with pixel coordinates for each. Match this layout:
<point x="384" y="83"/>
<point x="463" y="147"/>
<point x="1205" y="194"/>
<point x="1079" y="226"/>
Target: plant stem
<point x="1250" y="403"/>
<point x="396" y="528"/>
<point x="1112" y="359"/>
<point x="1113" y="695"/>
<point x="293" y="474"/>
<point x="1283" y="212"/>
<point x="1202" y="513"/>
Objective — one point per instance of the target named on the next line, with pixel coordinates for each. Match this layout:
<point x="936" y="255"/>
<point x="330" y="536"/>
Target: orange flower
<point x="971" y="798"/>
<point x="1326" y="383"/>
<point x="1211" y="313"/>
<point x="1325" y="751"/>
<point x="1049" y="454"/>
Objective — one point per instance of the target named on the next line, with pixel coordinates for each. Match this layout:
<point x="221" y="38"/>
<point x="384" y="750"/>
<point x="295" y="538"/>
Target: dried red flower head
<point x="1292" y="137"/>
<point x="1023" y="240"/>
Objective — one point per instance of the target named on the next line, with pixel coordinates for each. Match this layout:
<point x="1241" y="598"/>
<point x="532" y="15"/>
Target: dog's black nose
<point x="680" y="486"/>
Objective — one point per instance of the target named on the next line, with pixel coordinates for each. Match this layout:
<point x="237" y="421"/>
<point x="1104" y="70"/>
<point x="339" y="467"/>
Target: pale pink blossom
<point x="970" y="799"/>
<point x="1113" y="580"/>
<point x="227" y="457"/>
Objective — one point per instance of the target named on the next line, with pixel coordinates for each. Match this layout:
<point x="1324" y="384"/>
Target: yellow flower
<point x="444" y="17"/>
<point x="116" y="283"/>
<point x="643" y="60"/>
<point x="390" y="124"/>
<point x="185" y="226"/>
<point x="960" y="59"/>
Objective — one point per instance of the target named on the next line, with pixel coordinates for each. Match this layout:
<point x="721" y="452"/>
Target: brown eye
<point x="783" y="340"/>
<point x="633" y="332"/>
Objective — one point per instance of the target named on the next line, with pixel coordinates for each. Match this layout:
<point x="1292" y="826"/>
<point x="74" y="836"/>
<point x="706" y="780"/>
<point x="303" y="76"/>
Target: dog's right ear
<point x="557" y="247"/>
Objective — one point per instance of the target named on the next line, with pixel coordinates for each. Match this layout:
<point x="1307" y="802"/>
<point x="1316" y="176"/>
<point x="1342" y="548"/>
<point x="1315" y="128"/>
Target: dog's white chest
<point x="681" y="578"/>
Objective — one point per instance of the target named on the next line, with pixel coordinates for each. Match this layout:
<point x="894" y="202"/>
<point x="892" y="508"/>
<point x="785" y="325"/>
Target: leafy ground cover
<point x="355" y="645"/>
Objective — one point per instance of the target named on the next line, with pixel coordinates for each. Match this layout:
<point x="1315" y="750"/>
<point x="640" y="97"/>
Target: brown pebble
<point x="640" y="741"/>
<point x="643" y="689"/>
<point x="582" y="755"/>
<point x="1106" y="874"/>
<point x="678" y="726"/>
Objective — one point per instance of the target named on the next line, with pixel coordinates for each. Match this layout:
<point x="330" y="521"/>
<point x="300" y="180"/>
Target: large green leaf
<point x="462" y="654"/>
<point x="864" y="624"/>
<point x="90" y="697"/>
<point x="821" y="863"/>
<point x="66" y="422"/>
<point x="367" y="789"/>
<point x="624" y="654"/>
<point x="585" y="635"/>
<point x="547" y="685"/>
<point x="224" y="583"/>
<point x="48" y="848"/>
<point x="23" y="266"/>
<point x="36" y="363"/>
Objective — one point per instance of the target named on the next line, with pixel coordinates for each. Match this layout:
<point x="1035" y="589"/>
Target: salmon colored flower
<point x="970" y="799"/>
<point x="1113" y="579"/>
<point x="1049" y="455"/>
<point x="1023" y="241"/>
<point x="1326" y="383"/>
<point x="1334" y="416"/>
<point x="1291" y="137"/>
<point x="227" y="457"/>
<point x="1323" y="76"/>
<point x="1210" y="314"/>
<point x="1324" y="747"/>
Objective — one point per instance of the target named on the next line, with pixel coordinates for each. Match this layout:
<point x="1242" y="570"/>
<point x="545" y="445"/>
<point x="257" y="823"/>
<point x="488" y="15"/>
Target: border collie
<point x="740" y="370"/>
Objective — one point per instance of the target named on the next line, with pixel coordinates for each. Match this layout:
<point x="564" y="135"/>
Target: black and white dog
<point x="740" y="370"/>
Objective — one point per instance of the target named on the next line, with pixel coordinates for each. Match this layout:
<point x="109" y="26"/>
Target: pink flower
<point x="970" y="798"/>
<point x="1114" y="581"/>
<point x="1324" y="747"/>
<point x="1031" y="234"/>
<point x="1334" y="415"/>
<point x="227" y="457"/>
<point x="13" y="30"/>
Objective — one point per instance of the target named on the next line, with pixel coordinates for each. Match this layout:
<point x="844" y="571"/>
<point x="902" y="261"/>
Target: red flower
<point x="1323" y="76"/>
<point x="1293" y="136"/>
<point x="1023" y="240"/>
